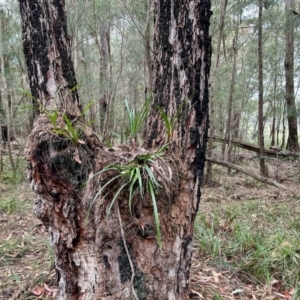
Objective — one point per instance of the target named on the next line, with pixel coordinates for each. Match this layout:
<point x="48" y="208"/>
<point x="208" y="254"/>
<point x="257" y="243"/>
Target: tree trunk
<point x="48" y="57"/>
<point x="261" y="143"/>
<point x="4" y="68"/>
<point x="283" y="126"/>
<point x="275" y="104"/>
<point x="118" y="256"/>
<point x="3" y="128"/>
<point x="105" y="99"/>
<point x="148" y="50"/>
<point x="212" y="92"/>
<point x="292" y="142"/>
<point x="228" y="130"/>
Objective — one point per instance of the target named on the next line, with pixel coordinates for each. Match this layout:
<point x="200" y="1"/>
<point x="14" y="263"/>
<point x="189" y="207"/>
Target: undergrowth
<point x="258" y="240"/>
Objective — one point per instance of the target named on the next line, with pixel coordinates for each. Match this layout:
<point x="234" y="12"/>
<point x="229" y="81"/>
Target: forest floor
<point x="247" y="238"/>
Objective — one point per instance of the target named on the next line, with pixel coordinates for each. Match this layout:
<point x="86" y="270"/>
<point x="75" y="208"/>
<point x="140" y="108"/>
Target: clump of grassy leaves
<point x="136" y="118"/>
<point x="258" y="239"/>
<point x="139" y="179"/>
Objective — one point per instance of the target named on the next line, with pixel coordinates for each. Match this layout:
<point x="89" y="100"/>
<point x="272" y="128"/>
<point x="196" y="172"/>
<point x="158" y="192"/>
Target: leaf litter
<point x="27" y="265"/>
<point x="236" y="200"/>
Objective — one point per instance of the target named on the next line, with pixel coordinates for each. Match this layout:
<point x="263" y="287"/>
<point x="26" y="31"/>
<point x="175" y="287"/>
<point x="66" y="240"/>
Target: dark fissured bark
<point x="182" y="52"/>
<point x="94" y="258"/>
<point x="48" y="57"/>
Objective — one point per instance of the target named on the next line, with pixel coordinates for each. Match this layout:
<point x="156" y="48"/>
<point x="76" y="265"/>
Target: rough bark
<point x="292" y="142"/>
<point x="48" y="56"/>
<point x="182" y="52"/>
<point x="117" y="256"/>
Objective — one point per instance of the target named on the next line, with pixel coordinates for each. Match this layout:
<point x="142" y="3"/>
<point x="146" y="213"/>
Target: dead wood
<point x="247" y="172"/>
<point x="274" y="152"/>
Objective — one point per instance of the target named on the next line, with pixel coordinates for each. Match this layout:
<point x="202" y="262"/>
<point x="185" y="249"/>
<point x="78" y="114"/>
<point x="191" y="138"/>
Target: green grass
<point x="9" y="205"/>
<point x="258" y="238"/>
<point x="8" y="177"/>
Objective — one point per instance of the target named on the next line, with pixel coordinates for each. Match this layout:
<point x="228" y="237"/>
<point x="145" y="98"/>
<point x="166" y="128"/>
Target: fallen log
<point x="274" y="152"/>
<point x="247" y="172"/>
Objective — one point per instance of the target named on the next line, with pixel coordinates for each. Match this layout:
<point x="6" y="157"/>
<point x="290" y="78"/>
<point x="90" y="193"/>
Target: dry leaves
<point x="44" y="290"/>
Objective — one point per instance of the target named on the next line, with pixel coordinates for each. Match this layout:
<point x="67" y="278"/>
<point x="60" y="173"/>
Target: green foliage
<point x="170" y="122"/>
<point x="136" y="119"/>
<point x="70" y="132"/>
<point x="87" y="107"/>
<point x="138" y="179"/>
<point x="28" y="94"/>
<point x="9" y="205"/>
<point x="53" y="117"/>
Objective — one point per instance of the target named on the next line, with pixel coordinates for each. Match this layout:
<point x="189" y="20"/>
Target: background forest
<point x="247" y="234"/>
<point x="111" y="43"/>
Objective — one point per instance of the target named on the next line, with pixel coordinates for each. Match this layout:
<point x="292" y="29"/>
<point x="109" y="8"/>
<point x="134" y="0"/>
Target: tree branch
<point x="247" y="172"/>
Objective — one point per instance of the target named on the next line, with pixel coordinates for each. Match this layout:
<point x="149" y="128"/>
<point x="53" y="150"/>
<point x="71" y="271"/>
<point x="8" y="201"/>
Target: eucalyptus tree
<point x="229" y="127"/>
<point x="262" y="165"/>
<point x="292" y="142"/>
<point x="244" y="117"/>
<point x="128" y="254"/>
<point x="214" y="87"/>
<point x="6" y="90"/>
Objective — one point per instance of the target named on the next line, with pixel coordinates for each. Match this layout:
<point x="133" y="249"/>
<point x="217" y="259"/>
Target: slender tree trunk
<point x="283" y="125"/>
<point x="3" y="128"/>
<point x="74" y="42"/>
<point x="292" y="142"/>
<point x="9" y="128"/>
<point x="236" y="124"/>
<point x="148" y="50"/>
<point x="105" y="99"/>
<point x="272" y="131"/>
<point x="6" y="128"/>
<point x="274" y="100"/>
<point x="117" y="256"/>
<point x="262" y="166"/>
<point x="228" y="130"/>
<point x="212" y="93"/>
<point x="278" y="128"/>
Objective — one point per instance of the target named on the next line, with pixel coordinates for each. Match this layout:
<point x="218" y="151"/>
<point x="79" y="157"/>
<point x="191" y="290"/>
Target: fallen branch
<point x="254" y="148"/>
<point x="247" y="172"/>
